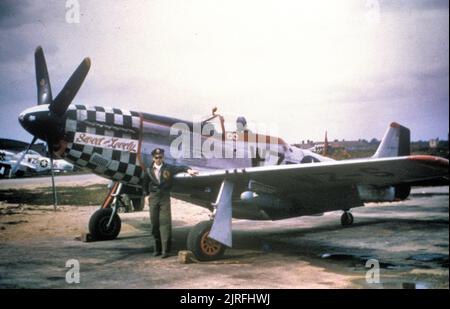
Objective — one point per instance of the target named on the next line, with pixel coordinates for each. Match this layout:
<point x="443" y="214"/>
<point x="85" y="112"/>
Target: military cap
<point x="157" y="151"/>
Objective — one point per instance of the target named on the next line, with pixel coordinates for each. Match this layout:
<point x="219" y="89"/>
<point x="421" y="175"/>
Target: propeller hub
<point x="40" y="122"/>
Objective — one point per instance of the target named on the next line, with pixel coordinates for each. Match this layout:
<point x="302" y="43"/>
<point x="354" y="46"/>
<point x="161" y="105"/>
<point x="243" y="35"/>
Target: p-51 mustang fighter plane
<point x="31" y="163"/>
<point x="279" y="183"/>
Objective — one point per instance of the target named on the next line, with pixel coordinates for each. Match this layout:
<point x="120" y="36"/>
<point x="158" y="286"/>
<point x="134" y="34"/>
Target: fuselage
<point x="116" y="144"/>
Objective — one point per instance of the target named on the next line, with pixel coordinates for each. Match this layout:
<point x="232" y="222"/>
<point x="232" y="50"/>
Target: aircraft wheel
<point x="203" y="247"/>
<point x="98" y="225"/>
<point x="347" y="218"/>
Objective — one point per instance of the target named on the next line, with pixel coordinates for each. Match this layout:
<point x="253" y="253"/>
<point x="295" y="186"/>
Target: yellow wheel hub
<point x="209" y="246"/>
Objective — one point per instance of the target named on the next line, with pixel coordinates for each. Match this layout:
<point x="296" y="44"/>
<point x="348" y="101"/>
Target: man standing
<point x="158" y="182"/>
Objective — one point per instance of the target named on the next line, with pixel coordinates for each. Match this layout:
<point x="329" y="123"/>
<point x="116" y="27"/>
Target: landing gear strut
<point x="346" y="218"/>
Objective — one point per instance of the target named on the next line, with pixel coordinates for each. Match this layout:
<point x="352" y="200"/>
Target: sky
<point x="349" y="67"/>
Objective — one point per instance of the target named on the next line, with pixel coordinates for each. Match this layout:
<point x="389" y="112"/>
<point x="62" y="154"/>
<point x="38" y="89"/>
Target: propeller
<point x="70" y="89"/>
<point x="44" y="90"/>
<point x="47" y="123"/>
<point x="16" y="166"/>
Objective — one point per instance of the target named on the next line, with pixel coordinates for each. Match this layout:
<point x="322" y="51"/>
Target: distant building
<point x="433" y="143"/>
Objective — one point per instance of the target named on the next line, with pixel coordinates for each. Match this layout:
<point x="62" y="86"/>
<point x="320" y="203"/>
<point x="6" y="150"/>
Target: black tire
<point x="402" y="192"/>
<point x="204" y="248"/>
<point x="138" y="204"/>
<point x="98" y="225"/>
<point x="346" y="219"/>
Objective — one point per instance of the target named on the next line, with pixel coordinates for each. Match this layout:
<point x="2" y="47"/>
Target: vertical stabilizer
<point x="395" y="142"/>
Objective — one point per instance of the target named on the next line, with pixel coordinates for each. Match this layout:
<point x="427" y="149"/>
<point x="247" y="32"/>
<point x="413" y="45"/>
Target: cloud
<point x="408" y="5"/>
<point x="13" y="13"/>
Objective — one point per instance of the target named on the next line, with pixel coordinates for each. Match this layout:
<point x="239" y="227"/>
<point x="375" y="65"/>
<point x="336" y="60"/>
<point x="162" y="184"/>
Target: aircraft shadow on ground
<point x="294" y="241"/>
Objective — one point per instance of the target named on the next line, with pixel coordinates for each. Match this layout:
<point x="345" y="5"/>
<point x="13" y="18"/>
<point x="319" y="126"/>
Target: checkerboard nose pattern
<point x="109" y="144"/>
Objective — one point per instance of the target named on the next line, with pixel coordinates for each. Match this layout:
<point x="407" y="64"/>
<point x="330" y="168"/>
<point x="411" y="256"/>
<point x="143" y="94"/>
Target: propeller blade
<point x="16" y="166"/>
<point x="55" y="198"/>
<point x="44" y="91"/>
<point x="70" y="89"/>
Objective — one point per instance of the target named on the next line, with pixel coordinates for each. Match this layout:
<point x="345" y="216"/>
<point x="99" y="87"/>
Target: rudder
<point x="395" y="142"/>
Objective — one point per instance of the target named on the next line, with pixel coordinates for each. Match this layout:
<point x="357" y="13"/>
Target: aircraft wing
<point x="285" y="179"/>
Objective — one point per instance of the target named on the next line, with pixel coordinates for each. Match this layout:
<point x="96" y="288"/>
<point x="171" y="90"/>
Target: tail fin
<point x="395" y="142"/>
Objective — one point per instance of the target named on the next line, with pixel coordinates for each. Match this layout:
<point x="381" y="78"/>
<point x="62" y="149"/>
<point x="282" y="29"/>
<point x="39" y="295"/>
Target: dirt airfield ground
<point x="409" y="239"/>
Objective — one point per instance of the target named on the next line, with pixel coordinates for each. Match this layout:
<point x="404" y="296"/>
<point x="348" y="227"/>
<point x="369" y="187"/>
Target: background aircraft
<point x="272" y="180"/>
<point x="31" y="163"/>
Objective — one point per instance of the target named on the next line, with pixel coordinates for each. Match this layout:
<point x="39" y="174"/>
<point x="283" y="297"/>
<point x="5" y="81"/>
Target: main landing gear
<point x="346" y="218"/>
<point x="203" y="247"/>
<point x="105" y="223"/>
<point x="208" y="241"/>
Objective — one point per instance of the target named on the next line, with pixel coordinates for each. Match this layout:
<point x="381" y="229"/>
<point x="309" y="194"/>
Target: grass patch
<point x="77" y="195"/>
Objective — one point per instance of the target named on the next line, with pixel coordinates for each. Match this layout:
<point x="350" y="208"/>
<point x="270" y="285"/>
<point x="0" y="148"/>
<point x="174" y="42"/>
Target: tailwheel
<point x="104" y="224"/>
<point x="203" y="247"/>
<point x="346" y="219"/>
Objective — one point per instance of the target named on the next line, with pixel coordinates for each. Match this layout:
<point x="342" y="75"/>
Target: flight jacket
<point x="150" y="183"/>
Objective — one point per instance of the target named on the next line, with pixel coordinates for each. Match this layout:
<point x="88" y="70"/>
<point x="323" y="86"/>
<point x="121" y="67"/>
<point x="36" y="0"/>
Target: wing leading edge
<point x="295" y="177"/>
